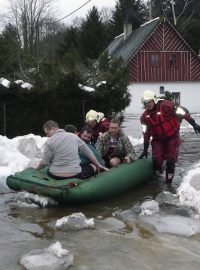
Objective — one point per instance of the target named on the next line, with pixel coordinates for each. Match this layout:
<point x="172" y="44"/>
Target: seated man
<point x="71" y="129"/>
<point x="85" y="135"/>
<point x="115" y="147"/>
<point x="88" y="169"/>
<point x="61" y="153"/>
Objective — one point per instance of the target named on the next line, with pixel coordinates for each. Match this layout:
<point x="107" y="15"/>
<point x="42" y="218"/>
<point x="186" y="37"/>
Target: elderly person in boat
<point x="97" y="122"/>
<point x="115" y="147"/>
<point x="61" y="153"/>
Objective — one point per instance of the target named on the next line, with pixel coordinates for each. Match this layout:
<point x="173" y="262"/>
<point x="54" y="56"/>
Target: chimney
<point x="128" y="23"/>
<point x="127" y="29"/>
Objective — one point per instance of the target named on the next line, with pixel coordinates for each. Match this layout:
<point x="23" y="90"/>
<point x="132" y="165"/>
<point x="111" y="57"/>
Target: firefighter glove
<point x="195" y="126"/>
<point x="145" y="151"/>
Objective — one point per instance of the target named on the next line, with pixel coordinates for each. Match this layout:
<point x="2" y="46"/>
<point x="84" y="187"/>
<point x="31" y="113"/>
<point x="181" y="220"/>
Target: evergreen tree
<point x="69" y="42"/>
<point x="160" y="8"/>
<point x="135" y="10"/>
<point x="9" y="50"/>
<point x="92" y="35"/>
<point x="110" y="80"/>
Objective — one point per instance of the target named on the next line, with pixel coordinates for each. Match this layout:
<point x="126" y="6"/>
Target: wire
<point x="74" y="11"/>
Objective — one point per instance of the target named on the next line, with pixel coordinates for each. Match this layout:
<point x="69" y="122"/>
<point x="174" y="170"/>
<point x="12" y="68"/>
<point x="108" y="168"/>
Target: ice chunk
<point x="57" y="250"/>
<point x="167" y="197"/>
<point x="54" y="258"/>
<point x="172" y="224"/>
<point x="129" y="216"/>
<point x="26" y="199"/>
<point x="76" y="221"/>
<point x="149" y="207"/>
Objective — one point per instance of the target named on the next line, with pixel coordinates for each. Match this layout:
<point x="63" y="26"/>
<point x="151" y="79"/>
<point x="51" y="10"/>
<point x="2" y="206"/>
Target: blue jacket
<point x="85" y="160"/>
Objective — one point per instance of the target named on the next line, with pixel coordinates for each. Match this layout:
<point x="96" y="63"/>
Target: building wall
<point x="189" y="94"/>
<point x="164" y="56"/>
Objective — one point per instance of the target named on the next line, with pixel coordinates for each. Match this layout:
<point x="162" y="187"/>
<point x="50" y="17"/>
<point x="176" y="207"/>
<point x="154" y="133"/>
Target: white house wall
<point x="189" y="94"/>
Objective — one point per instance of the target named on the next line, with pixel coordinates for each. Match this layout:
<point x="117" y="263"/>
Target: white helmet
<point x="149" y="95"/>
<point x="93" y="115"/>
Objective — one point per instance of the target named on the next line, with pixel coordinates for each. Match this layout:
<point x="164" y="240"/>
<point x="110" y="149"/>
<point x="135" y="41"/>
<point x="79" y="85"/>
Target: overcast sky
<point x="64" y="7"/>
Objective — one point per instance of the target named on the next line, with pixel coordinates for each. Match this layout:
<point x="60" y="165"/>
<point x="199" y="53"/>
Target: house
<point x="158" y="59"/>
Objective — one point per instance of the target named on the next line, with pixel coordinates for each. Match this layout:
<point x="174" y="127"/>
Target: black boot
<point x="157" y="167"/>
<point x="170" y="171"/>
<point x="169" y="177"/>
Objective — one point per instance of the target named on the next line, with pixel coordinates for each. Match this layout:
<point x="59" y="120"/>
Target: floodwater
<point x="112" y="244"/>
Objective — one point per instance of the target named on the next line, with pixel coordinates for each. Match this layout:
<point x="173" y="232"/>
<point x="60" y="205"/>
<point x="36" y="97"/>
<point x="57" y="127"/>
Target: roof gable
<point x="128" y="47"/>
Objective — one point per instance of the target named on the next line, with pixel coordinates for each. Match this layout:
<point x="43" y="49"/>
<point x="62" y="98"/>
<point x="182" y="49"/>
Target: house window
<point x="172" y="60"/>
<point x="176" y="96"/>
<point x="162" y="90"/>
<point x="154" y="59"/>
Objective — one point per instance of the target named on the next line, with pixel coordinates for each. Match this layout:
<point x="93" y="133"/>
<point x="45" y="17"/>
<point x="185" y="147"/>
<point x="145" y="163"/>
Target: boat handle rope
<point x="35" y="189"/>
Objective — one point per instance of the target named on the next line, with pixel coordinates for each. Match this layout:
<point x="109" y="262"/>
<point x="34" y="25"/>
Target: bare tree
<point x="186" y="3"/>
<point x="29" y="17"/>
<point x="106" y="14"/>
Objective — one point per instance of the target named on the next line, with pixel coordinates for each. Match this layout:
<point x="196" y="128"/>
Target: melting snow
<point x="5" y="82"/>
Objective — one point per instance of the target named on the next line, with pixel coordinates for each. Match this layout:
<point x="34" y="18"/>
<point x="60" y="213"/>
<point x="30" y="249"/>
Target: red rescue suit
<point x="162" y="124"/>
<point x="100" y="128"/>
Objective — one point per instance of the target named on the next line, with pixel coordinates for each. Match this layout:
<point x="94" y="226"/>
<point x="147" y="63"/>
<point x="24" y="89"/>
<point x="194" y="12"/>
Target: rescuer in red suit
<point x="161" y="122"/>
<point x="98" y="123"/>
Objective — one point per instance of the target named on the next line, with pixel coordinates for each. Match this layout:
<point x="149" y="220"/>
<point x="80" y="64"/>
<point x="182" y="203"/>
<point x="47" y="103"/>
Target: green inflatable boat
<point x="104" y="185"/>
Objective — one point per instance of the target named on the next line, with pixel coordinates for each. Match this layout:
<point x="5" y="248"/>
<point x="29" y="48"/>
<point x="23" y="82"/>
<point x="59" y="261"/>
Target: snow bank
<point x="189" y="190"/>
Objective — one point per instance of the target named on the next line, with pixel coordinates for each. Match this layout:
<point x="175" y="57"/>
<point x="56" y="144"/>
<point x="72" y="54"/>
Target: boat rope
<point x="8" y="192"/>
<point x="35" y="189"/>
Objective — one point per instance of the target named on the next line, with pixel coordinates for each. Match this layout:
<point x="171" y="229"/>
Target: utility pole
<point x="173" y="11"/>
<point x="4" y="119"/>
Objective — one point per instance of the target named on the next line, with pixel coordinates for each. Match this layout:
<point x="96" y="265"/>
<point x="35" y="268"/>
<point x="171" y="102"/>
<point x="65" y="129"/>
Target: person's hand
<point x="145" y="151"/>
<point x="196" y="128"/>
<point x="31" y="167"/>
<point x="103" y="168"/>
<point x="144" y="154"/>
<point x="127" y="160"/>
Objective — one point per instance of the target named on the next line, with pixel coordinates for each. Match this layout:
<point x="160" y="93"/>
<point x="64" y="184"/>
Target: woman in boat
<point x="115" y="147"/>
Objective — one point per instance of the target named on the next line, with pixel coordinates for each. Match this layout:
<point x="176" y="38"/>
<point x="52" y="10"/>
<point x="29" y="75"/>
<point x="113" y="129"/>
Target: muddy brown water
<point x="112" y="244"/>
